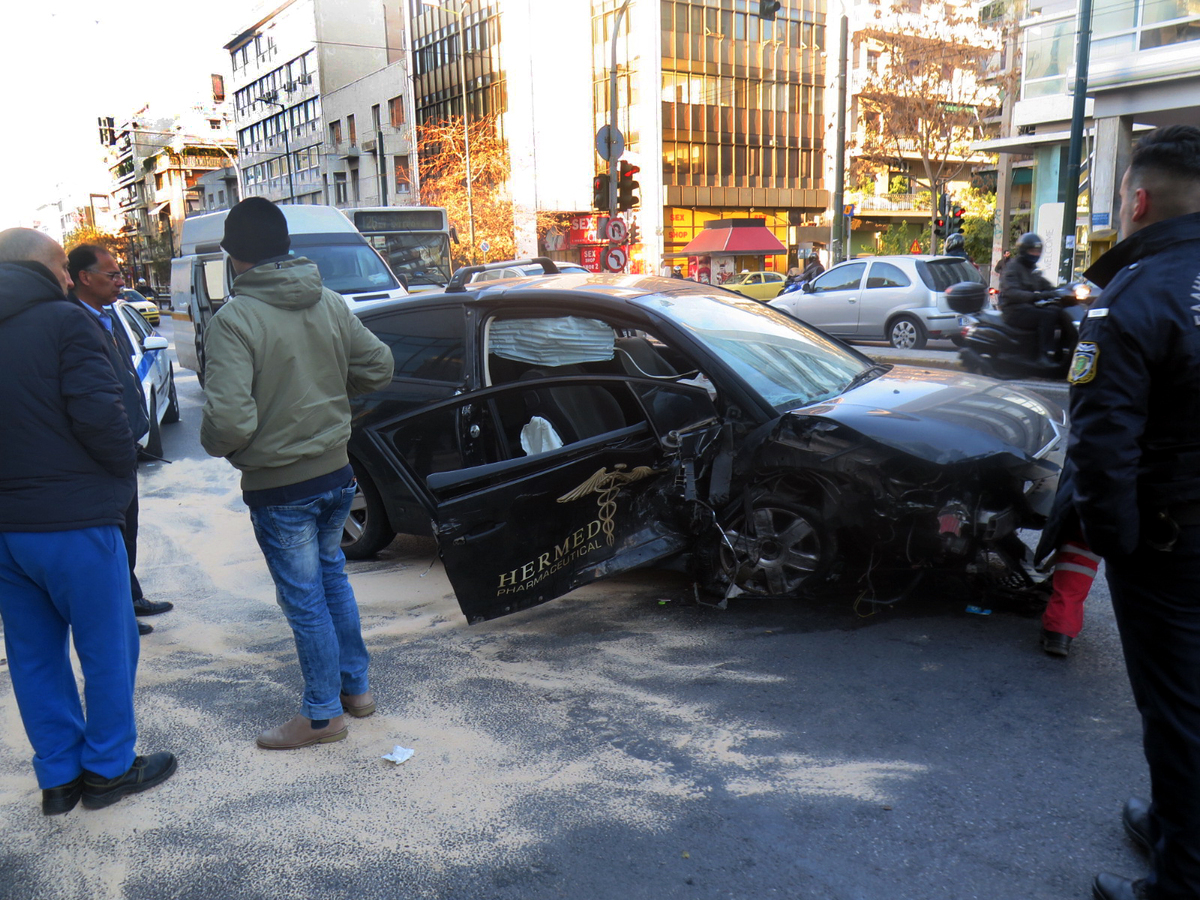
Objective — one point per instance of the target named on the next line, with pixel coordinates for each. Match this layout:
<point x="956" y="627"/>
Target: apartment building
<point x="284" y="64"/>
<point x="1144" y="72"/>
<point x="154" y="161"/>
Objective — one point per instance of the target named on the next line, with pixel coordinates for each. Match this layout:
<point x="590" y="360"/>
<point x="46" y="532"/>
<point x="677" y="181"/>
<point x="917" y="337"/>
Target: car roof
<point x="584" y="286"/>
<point x="924" y="257"/>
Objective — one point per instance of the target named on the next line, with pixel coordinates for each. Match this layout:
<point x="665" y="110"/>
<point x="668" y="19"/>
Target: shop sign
<point x="586" y="230"/>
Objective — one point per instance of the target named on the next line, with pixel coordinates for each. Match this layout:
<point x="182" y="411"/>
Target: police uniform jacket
<point x="67" y="458"/>
<point x="1021" y="283"/>
<point x="1135" y="395"/>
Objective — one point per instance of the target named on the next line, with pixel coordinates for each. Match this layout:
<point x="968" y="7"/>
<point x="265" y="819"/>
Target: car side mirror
<point x="403" y="279"/>
<point x="155" y="342"/>
<point x="807" y="287"/>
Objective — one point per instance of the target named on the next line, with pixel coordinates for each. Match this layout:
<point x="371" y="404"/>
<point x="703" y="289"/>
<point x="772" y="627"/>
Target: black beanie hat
<point x="256" y="229"/>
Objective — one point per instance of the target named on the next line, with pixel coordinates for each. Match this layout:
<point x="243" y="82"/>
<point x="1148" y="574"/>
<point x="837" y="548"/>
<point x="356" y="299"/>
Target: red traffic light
<point x="957" y="212"/>
<point x="939" y="223"/>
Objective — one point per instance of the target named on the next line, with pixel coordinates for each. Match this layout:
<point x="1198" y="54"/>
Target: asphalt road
<point x="623" y="742"/>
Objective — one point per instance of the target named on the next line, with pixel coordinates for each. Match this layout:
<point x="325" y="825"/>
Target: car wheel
<point x="906" y="333"/>
<point x="367" y="530"/>
<point x="780" y="549"/>
<point x="171" y="416"/>
<point x="154" y="439"/>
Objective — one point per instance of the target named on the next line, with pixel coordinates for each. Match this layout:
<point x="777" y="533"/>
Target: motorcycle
<point x="990" y="346"/>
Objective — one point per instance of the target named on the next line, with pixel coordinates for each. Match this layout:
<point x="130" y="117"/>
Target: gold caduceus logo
<point x="607" y="485"/>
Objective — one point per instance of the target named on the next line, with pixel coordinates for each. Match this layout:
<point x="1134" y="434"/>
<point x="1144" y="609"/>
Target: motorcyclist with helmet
<point x="956" y="245"/>
<point x="1021" y="287"/>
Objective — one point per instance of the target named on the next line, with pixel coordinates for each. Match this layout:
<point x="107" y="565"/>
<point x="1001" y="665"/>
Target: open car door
<point x="596" y="490"/>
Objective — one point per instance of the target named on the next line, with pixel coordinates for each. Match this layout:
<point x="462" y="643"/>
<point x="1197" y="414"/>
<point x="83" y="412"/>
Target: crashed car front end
<point x="913" y="471"/>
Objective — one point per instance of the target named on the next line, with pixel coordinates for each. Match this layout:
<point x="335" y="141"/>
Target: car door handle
<point x="478" y="533"/>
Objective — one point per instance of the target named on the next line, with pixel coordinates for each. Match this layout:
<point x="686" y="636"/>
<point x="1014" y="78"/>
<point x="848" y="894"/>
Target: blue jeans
<point x="57" y="586"/>
<point x="302" y="546"/>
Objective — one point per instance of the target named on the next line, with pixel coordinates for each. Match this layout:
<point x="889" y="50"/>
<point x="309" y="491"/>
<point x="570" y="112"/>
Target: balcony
<point x="346" y="150"/>
<point x="889" y="203"/>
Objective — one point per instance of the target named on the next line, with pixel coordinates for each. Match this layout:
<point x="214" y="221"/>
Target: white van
<point x="201" y="280"/>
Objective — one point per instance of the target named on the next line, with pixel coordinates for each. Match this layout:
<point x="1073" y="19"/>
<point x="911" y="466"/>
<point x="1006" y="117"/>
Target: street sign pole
<point x="614" y="167"/>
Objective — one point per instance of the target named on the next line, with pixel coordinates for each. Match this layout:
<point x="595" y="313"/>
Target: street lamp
<point x="462" y="83"/>
<point x="287" y="146"/>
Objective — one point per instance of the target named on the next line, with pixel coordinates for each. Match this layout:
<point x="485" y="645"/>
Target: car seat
<point x="576" y="411"/>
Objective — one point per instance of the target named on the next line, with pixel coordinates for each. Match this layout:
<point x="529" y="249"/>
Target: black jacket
<point x="67" y="458"/>
<point x="120" y="354"/>
<point x="1021" y="283"/>
<point x="1135" y="394"/>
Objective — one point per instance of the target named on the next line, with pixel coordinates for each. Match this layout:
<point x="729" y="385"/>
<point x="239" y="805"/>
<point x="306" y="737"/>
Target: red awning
<point x="735" y="236"/>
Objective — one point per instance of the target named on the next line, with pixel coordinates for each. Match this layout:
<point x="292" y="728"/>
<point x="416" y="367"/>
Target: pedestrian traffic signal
<point x="600" y="192"/>
<point x="768" y="8"/>
<point x="939" y="227"/>
<point x="956" y="219"/>
<point x="627" y="197"/>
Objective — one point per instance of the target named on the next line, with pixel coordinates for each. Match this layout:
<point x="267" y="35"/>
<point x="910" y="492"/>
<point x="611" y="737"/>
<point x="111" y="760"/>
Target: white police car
<point x="153" y="365"/>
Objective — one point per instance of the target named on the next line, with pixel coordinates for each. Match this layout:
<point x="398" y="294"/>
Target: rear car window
<point x="427" y="344"/>
<point x="885" y="275"/>
<point x="939" y="274"/>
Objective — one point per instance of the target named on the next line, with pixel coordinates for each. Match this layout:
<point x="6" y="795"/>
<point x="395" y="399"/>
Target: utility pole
<point x="614" y="165"/>
<point x="1066" y="264"/>
<point x="836" y="249"/>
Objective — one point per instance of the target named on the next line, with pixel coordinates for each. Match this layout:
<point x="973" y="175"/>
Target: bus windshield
<point x="423" y="258"/>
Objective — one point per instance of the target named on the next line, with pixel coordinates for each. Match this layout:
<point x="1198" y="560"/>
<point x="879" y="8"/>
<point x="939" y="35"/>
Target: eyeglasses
<point x="115" y="276"/>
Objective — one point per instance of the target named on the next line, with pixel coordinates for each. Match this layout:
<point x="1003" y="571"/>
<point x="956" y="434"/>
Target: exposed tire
<point x="780" y="550"/>
<point x="154" y="440"/>
<point x="171" y="416"/>
<point x="367" y="530"/>
<point x="907" y="333"/>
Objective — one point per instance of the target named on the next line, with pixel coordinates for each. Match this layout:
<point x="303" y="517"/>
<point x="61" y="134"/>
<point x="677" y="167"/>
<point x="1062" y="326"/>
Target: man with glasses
<point x="98" y="282"/>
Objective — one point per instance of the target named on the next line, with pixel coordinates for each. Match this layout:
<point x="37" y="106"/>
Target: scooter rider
<point x="1021" y="286"/>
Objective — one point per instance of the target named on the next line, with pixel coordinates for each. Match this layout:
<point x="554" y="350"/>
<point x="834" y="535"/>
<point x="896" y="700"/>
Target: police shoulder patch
<point x="1084" y="363"/>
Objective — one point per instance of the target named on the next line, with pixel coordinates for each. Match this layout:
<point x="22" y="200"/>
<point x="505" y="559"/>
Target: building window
<point x="375" y="117"/>
<point x="396" y="111"/>
<point x="335" y="132"/>
<point x="158" y="182"/>
<point x="339" y="187"/>
<point x="403" y="175"/>
<point x="351" y="129"/>
<point x="220" y="196"/>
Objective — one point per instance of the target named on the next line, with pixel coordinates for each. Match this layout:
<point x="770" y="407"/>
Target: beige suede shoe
<point x="298" y="732"/>
<point x="358" y="705"/>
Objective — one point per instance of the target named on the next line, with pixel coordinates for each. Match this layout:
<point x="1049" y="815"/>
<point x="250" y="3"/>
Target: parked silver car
<point x="900" y="299"/>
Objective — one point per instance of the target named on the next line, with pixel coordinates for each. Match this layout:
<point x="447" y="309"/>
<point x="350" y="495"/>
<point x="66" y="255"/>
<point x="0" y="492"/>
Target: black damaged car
<point x="563" y="428"/>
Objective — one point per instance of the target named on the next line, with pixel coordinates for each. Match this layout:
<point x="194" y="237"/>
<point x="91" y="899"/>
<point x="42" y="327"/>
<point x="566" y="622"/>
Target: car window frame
<point x="816" y="283"/>
<point x="891" y="265"/>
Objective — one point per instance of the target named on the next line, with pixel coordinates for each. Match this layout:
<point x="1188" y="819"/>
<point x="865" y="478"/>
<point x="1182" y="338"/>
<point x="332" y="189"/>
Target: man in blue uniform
<point x="1135" y="446"/>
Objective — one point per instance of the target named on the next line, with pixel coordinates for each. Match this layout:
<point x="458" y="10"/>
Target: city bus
<point x="415" y="241"/>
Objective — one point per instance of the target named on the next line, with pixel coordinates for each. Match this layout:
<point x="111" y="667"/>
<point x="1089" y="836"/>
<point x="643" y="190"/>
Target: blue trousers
<point x="1156" y="599"/>
<point x="60" y="584"/>
<point x="302" y="545"/>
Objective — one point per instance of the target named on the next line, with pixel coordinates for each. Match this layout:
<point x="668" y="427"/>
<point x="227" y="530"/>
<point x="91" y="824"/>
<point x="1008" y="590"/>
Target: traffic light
<point x="626" y="186"/>
<point x="956" y="219"/>
<point x="939" y="226"/>
<point x="600" y="191"/>
<point x="768" y="8"/>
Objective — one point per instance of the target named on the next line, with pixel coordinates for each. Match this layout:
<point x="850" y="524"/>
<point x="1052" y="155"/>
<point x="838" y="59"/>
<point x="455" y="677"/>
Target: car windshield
<point x="421" y="258"/>
<point x="349" y="268"/>
<point x="744" y="278"/>
<point x="785" y="361"/>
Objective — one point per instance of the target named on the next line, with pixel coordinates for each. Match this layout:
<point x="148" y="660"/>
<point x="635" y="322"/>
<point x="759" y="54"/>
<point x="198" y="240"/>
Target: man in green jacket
<point x="283" y="357"/>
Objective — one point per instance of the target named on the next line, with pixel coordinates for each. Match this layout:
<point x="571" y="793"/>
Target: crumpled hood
<point x="289" y="284"/>
<point x="945" y="417"/>
<point x="21" y="288"/>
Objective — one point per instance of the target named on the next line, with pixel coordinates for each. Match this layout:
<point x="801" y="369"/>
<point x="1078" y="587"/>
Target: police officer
<point x="1135" y="447"/>
<point x="1021" y="286"/>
